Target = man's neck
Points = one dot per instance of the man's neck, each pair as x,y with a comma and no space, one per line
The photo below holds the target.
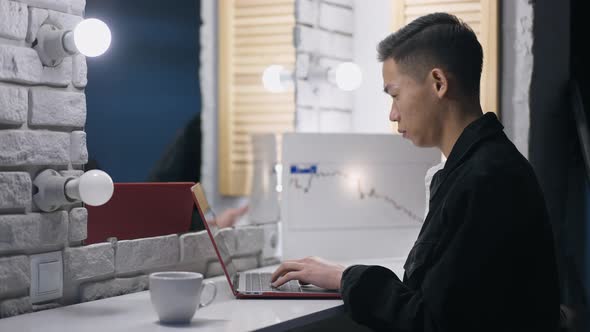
458,118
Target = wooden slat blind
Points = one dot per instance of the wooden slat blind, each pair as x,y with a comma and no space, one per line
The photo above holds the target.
481,16
254,34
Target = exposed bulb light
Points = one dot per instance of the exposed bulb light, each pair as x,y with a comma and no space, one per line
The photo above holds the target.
94,188
92,37
347,76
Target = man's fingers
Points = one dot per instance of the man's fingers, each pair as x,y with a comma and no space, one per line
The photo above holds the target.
243,210
285,268
293,275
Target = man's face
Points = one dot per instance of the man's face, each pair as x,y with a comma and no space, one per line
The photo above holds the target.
414,105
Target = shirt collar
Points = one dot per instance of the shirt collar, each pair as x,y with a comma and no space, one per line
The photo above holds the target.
487,125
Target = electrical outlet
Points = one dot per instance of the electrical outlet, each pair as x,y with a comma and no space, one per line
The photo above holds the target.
46,277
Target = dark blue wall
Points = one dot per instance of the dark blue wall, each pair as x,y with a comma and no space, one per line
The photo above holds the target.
145,89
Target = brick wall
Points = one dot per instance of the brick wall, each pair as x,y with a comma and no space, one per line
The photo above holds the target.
323,37
42,116
42,119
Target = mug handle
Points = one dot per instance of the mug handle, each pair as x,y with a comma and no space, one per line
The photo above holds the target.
210,283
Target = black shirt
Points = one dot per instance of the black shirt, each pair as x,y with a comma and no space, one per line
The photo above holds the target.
484,259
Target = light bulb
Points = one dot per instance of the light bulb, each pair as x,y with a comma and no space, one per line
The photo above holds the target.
92,37
348,76
273,78
94,188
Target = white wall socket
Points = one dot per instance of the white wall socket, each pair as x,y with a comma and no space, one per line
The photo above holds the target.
46,276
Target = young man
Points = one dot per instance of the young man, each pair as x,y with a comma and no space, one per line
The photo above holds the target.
484,259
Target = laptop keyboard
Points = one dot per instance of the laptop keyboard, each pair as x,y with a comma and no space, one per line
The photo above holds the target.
261,282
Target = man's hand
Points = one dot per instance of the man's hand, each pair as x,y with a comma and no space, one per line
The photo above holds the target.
309,270
229,217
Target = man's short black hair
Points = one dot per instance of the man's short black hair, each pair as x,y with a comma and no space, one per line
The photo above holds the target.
437,40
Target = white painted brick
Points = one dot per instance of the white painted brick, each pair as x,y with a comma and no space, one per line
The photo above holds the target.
58,76
335,18
19,64
57,108
15,190
306,39
302,65
34,148
246,263
345,3
197,249
213,269
323,43
88,262
77,7
306,93
59,5
328,63
99,290
15,274
13,20
308,121
332,97
78,229
78,149
227,236
80,71
336,45
32,232
241,264
335,122
63,20
250,240
15,307
14,104
323,95
142,254
36,17
306,11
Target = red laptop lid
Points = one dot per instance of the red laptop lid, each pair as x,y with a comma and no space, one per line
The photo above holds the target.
139,210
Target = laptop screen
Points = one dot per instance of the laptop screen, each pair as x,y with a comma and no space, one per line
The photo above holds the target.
217,235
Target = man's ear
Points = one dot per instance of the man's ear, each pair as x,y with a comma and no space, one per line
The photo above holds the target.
440,82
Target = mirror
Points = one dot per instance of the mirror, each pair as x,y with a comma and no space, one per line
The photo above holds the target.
143,96
144,103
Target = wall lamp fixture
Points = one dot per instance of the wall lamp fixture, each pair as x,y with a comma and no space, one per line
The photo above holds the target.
94,188
91,37
347,76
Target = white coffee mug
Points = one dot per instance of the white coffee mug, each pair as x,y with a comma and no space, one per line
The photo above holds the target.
176,295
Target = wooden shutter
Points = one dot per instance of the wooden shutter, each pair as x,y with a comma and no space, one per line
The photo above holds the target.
481,16
253,35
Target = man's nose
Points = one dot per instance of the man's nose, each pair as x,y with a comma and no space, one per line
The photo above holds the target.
394,114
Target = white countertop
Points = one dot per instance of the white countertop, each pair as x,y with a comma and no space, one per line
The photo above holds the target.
134,312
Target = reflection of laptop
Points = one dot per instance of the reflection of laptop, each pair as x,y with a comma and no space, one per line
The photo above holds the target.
140,210
250,284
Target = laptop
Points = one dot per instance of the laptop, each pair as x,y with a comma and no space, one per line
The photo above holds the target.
140,210
250,284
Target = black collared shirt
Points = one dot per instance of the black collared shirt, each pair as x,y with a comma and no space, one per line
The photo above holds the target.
484,259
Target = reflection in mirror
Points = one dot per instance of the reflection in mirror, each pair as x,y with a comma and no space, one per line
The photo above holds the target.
144,120
143,96
144,123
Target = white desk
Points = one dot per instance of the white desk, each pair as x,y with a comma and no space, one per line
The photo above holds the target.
134,312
